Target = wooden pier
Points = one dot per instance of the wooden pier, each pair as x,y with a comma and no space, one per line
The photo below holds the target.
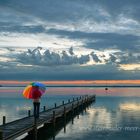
12,130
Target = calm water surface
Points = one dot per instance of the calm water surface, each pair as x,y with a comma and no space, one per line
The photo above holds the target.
115,115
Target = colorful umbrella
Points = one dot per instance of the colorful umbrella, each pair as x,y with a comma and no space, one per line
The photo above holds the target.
34,91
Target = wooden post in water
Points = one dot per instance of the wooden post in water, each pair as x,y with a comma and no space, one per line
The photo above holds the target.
44,108
72,114
1,135
35,124
54,120
85,104
4,120
82,106
35,128
77,109
64,119
29,113
94,98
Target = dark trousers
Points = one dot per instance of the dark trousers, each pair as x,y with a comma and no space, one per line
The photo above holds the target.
36,109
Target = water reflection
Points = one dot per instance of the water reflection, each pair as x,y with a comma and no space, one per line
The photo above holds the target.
130,107
118,120
106,119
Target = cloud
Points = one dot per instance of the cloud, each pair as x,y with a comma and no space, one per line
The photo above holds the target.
113,58
95,57
127,7
65,72
22,28
98,24
43,64
91,16
102,40
40,56
71,51
48,58
128,58
75,9
87,39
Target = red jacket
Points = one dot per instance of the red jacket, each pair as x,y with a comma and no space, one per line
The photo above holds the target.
36,93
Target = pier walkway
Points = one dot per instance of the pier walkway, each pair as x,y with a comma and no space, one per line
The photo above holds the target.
12,130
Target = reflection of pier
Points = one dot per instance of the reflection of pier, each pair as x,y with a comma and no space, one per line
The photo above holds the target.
48,118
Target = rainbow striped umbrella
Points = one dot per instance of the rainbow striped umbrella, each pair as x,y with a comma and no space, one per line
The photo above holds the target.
34,90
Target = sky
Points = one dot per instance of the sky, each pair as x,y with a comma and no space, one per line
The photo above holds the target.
69,40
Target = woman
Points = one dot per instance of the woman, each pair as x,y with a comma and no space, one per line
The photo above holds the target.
36,101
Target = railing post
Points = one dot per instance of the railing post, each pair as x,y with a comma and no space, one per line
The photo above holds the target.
1,135
44,108
4,120
55,105
63,102
29,113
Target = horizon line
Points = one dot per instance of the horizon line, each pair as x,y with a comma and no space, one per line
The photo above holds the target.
68,82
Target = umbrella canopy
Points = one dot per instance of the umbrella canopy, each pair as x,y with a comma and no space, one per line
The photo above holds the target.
34,91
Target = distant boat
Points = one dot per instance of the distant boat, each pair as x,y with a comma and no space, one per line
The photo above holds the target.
106,88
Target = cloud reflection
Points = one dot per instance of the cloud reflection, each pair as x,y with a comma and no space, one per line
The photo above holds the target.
130,107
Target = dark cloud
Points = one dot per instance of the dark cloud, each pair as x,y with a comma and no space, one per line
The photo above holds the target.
128,7
102,40
62,10
10,49
128,58
65,10
95,57
113,58
95,72
21,28
71,51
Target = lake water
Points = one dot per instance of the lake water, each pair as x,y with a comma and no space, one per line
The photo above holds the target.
115,114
